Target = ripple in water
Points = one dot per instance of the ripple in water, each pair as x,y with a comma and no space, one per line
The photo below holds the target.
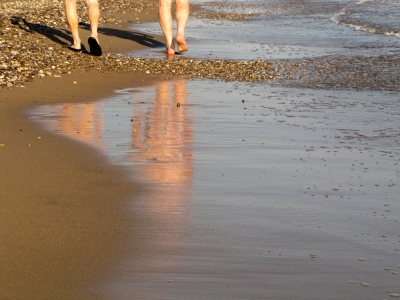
377,17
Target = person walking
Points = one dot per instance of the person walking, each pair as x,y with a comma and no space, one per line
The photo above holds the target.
165,19
72,19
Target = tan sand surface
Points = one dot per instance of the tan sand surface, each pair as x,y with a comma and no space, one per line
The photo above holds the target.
61,205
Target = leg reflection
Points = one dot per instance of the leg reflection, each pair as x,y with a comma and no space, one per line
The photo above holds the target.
164,135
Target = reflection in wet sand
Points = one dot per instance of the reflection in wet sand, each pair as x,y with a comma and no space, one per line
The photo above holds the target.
164,134
80,121
153,131
161,131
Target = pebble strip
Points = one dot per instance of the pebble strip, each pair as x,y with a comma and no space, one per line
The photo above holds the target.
24,56
373,73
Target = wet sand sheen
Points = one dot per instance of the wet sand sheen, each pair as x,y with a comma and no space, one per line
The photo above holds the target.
242,199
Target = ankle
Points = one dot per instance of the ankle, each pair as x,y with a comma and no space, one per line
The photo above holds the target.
77,43
94,35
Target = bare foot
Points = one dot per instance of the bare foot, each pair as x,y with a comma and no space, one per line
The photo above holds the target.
182,47
170,56
171,48
169,51
73,47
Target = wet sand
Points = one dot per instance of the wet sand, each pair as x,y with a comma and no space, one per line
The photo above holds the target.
279,196
63,216
64,222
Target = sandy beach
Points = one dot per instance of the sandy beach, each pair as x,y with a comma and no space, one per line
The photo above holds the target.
63,216
62,210
121,180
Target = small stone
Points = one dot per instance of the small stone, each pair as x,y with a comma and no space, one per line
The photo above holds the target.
365,284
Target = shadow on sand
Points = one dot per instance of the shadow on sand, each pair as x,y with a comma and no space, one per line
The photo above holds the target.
63,36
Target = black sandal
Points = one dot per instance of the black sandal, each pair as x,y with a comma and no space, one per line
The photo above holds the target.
73,49
95,48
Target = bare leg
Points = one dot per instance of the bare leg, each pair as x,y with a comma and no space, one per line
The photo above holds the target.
165,19
182,15
94,15
72,19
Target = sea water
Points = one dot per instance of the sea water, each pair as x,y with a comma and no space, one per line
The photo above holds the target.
254,190
373,16
289,29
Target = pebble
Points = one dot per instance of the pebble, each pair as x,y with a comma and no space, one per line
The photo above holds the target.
365,284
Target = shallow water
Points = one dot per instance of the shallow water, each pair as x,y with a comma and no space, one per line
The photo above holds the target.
377,17
291,29
240,194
